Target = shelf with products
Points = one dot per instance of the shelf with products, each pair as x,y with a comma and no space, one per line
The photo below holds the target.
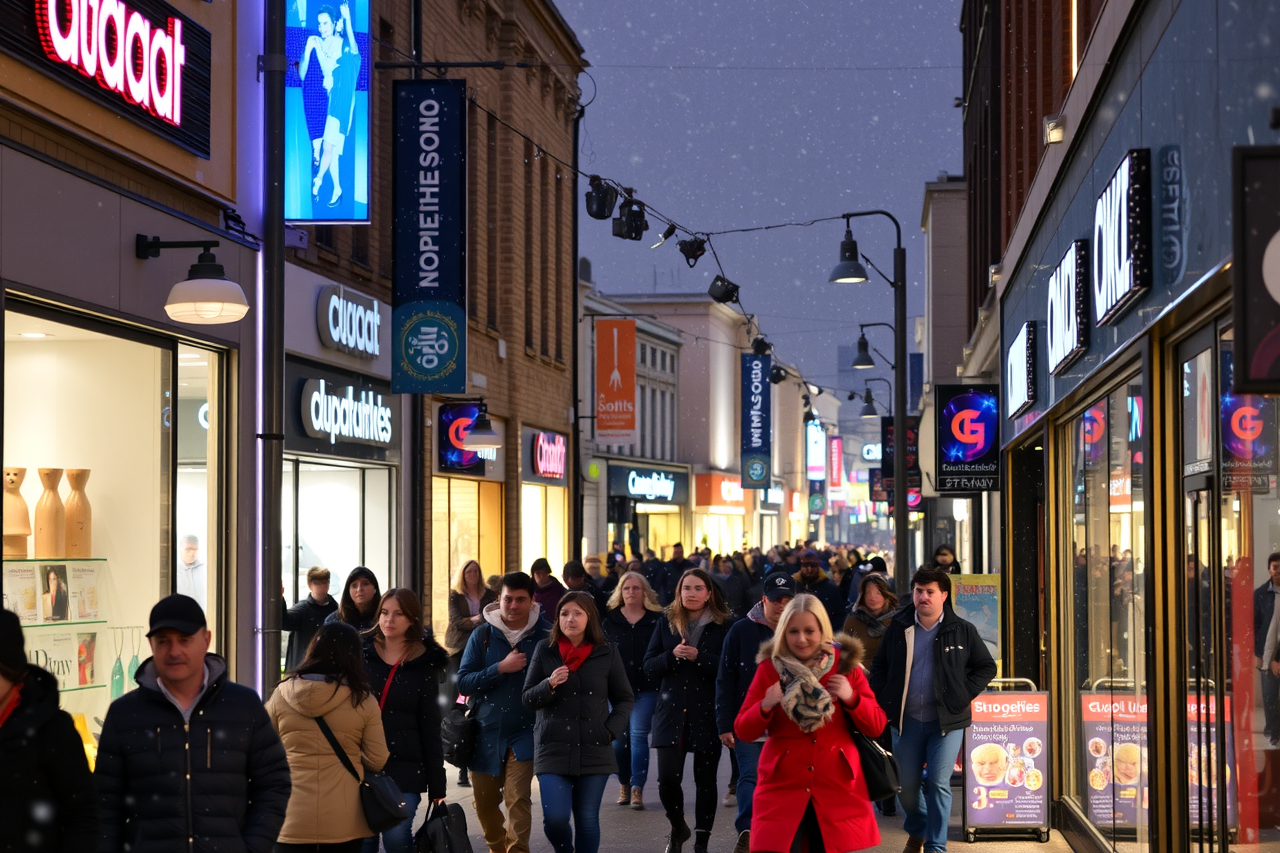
40,625
54,560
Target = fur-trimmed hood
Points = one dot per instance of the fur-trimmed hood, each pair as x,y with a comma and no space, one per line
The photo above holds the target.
850,652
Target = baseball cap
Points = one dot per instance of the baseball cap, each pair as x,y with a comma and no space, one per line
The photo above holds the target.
779,585
178,612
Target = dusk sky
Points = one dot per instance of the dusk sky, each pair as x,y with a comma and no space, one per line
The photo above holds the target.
746,113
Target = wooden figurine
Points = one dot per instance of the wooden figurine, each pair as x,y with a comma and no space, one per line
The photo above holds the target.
79,516
17,517
51,518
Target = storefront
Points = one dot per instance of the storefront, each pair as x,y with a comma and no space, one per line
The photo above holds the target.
769,517
544,497
719,512
1140,490
648,507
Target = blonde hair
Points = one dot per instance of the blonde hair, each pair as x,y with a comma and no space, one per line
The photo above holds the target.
802,603
460,578
650,598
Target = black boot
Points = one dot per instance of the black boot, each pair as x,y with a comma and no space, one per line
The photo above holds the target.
463,781
701,841
679,835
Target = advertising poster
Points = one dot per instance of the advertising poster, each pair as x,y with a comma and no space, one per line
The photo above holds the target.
815,450
756,430
835,462
429,238
913,451
86,646
20,592
55,604
84,593
326,111
616,381
1248,427
1114,742
968,426
1006,758
1202,762
977,599
453,424
55,650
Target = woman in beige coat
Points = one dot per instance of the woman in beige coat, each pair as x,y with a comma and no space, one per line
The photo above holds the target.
324,812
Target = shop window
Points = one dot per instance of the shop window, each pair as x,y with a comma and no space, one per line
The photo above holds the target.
360,244
544,520
325,237
466,524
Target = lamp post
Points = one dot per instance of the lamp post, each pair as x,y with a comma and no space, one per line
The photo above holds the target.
850,270
869,406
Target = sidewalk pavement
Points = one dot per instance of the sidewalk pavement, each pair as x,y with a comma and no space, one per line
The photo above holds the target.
625,831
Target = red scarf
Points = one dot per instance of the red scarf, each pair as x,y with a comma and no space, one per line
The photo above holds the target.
11,702
572,656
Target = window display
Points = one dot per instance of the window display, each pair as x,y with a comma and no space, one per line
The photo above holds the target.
466,524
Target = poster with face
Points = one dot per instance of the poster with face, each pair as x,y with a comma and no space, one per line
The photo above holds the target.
1006,761
1114,745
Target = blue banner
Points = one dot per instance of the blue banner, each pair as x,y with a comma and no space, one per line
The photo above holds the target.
429,237
757,441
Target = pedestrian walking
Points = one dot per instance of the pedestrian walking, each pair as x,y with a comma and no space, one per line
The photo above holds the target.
867,624
405,664
737,670
48,801
655,572
930,666
673,571
549,589
684,653
467,600
1266,648
329,684
492,676
633,613
735,585
578,685
358,606
303,619
944,557
812,579
576,579
806,694
189,760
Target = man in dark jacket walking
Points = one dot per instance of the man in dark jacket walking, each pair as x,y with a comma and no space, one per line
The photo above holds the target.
674,570
1266,647
737,669
931,665
812,579
189,761
655,572
492,674
303,619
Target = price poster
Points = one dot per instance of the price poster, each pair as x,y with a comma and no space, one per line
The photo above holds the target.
1006,761
20,592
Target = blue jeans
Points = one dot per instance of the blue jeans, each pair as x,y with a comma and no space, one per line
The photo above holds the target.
633,760
576,796
748,759
399,838
926,803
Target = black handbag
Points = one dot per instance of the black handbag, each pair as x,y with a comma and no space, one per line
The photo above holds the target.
380,797
460,727
445,831
879,767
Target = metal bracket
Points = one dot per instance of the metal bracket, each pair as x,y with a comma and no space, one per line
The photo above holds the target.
271,62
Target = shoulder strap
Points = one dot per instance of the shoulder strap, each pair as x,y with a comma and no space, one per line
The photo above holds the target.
488,635
333,742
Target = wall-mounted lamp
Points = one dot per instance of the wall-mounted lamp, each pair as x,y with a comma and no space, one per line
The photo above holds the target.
482,435
206,297
1055,129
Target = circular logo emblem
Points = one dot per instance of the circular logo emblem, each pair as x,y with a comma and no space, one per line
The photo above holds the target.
428,343
756,471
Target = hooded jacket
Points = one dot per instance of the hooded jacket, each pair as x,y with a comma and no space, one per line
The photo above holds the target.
738,665
325,804
366,619
411,716
505,722
219,783
822,766
826,591
302,621
962,668
42,760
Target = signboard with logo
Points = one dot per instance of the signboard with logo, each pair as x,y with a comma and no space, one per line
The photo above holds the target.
1255,270
649,485
1248,426
326,111
719,493
339,414
1067,320
544,457
349,321
835,462
872,452
913,451
453,425
1122,239
143,59
1006,761
815,438
616,381
817,498
429,236
968,428
1020,371
757,407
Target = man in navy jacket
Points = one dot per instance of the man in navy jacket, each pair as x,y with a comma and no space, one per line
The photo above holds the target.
1267,657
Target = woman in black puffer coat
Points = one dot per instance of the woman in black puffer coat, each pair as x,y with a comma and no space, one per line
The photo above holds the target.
405,665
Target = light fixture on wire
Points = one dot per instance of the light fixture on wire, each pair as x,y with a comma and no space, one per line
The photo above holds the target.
777,374
600,198
692,249
630,223
482,435
206,297
722,290
849,270
666,235
863,359
760,346
868,406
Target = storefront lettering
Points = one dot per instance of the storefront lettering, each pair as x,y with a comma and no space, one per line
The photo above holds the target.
124,52
549,455
336,412
1121,220
1173,214
871,452
731,491
773,496
1067,331
349,322
652,485
1020,371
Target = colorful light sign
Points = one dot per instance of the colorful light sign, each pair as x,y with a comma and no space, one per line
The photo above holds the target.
968,429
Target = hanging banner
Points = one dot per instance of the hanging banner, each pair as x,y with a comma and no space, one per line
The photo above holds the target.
1006,761
429,237
326,112
913,452
1255,271
815,456
835,462
616,381
968,427
757,441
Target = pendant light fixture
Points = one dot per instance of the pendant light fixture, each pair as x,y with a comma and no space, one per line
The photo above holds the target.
206,297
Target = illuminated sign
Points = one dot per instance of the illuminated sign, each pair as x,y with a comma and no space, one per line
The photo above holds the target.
968,426
349,321
1020,371
549,455
453,424
872,452
1066,323
1122,238
1248,425
816,450
338,413
719,493
835,462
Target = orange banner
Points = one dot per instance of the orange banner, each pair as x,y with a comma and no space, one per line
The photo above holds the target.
616,381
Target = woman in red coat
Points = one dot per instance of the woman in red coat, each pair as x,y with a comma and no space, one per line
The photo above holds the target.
806,693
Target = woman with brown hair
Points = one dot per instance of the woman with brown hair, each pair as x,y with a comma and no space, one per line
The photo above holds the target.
468,597
872,614
684,653
404,663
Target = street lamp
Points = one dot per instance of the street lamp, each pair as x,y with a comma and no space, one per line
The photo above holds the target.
849,270
869,404
863,359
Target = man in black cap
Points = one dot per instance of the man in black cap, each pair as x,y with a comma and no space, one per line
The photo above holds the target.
737,669
812,579
189,760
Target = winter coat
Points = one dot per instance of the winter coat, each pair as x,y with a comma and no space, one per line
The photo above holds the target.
738,665
505,722
1263,607
411,716
685,715
821,766
219,783
302,621
578,721
460,624
826,591
862,625
655,572
363,625
962,668
548,597
632,641
736,590
42,762
325,804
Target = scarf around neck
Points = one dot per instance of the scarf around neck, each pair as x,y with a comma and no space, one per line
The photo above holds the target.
804,700
573,656
876,625
697,625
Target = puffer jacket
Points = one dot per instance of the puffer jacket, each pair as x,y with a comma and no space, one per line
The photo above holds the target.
217,784
411,717
42,762
578,721
687,689
325,805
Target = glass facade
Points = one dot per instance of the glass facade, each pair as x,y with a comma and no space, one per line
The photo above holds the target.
466,524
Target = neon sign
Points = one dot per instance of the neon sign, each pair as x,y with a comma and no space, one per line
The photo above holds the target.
549,455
